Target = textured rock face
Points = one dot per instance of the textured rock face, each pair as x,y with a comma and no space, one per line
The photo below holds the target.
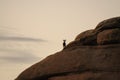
90,76
87,38
93,55
109,36
108,24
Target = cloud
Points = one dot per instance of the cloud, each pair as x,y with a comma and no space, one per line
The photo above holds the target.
18,57
14,53
15,38
11,34
14,59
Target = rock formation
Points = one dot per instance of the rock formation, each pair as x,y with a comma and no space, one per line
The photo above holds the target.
93,55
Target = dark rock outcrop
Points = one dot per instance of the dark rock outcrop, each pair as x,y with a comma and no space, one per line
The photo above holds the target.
87,38
110,36
93,55
108,24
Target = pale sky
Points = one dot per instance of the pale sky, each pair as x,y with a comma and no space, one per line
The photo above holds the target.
33,29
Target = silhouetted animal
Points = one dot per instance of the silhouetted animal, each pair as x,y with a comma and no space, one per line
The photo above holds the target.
64,43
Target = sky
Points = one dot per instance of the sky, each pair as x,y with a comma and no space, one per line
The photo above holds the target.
30,30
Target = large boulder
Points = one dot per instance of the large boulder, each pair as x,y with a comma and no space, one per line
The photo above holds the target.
89,76
110,36
108,24
83,59
87,37
93,55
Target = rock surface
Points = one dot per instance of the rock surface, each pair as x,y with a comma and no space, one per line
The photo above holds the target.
93,55
109,36
87,38
108,24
